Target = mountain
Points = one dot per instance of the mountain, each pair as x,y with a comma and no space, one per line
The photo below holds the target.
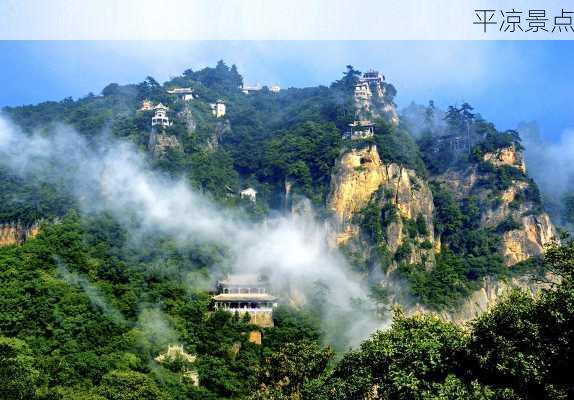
119,211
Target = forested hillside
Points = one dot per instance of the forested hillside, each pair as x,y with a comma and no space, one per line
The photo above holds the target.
414,224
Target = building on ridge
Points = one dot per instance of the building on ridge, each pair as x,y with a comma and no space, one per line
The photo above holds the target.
246,294
360,129
185,94
249,193
218,109
160,118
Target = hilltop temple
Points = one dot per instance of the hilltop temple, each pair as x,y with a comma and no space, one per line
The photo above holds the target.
360,129
185,94
218,109
160,118
246,294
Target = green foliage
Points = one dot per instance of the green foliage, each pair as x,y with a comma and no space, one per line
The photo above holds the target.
526,343
293,365
448,216
403,251
412,360
469,253
421,224
19,376
498,140
129,385
441,287
304,155
498,178
509,224
87,332
372,222
85,308
395,144
521,349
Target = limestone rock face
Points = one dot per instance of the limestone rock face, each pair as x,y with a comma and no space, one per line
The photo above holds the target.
220,129
520,244
492,290
507,156
491,293
264,319
360,176
535,227
370,102
159,143
187,117
15,233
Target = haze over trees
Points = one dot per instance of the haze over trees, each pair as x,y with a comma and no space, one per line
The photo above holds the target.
85,308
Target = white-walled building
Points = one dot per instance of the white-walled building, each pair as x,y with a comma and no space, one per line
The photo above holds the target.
160,118
251,88
373,76
362,91
185,94
218,109
246,294
249,193
275,88
361,129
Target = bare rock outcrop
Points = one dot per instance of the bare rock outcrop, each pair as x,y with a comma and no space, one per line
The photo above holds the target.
16,233
361,177
533,228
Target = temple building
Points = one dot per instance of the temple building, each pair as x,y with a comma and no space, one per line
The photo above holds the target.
185,94
160,118
361,129
146,106
362,91
176,353
372,76
275,88
251,88
218,108
249,193
246,294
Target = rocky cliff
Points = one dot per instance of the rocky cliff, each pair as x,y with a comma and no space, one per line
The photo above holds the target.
372,100
510,156
159,143
359,178
491,291
531,228
15,233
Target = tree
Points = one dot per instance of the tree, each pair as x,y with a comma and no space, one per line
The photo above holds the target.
18,374
526,343
347,82
416,358
129,385
288,369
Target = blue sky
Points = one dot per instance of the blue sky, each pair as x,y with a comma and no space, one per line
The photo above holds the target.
507,82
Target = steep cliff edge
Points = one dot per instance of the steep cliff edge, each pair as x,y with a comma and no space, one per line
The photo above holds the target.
509,200
491,291
14,233
373,98
366,191
400,199
159,143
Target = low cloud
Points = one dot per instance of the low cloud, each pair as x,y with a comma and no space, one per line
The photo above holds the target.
112,176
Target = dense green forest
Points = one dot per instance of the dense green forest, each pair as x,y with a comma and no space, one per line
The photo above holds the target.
85,309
